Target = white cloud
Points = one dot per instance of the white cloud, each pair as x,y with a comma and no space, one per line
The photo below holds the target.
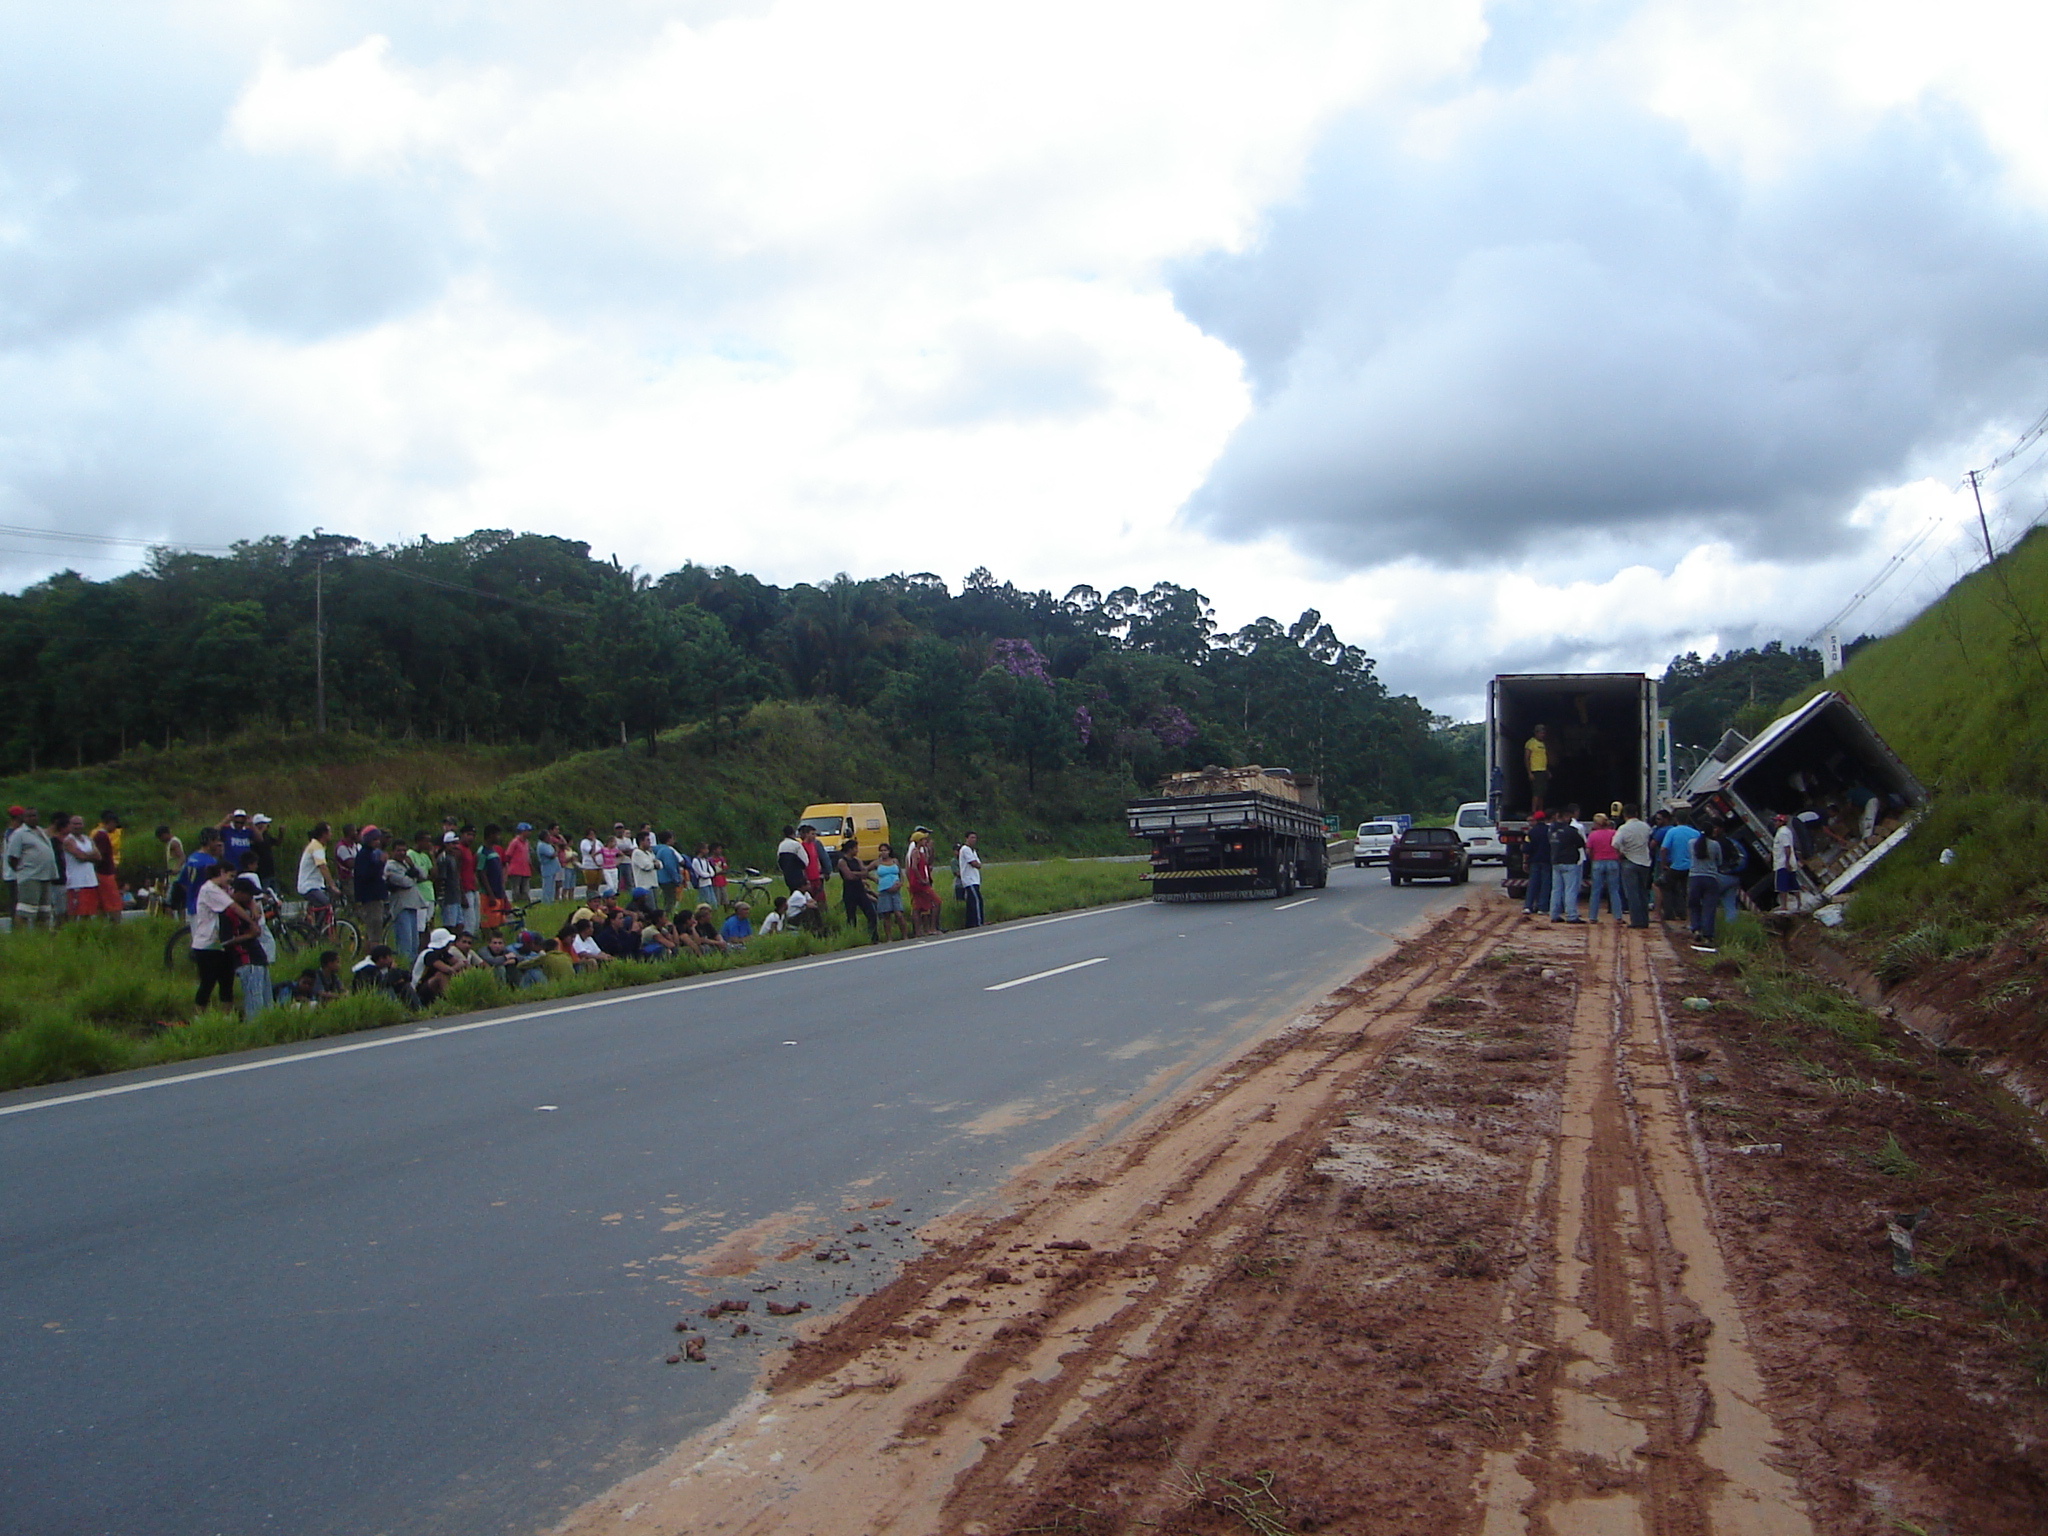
802,287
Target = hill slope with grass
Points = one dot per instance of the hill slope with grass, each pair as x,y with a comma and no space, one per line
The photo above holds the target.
737,786
1961,694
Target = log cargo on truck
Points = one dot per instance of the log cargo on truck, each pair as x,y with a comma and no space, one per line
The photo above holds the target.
1601,735
1230,834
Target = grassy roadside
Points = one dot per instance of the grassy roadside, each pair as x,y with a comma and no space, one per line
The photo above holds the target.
92,998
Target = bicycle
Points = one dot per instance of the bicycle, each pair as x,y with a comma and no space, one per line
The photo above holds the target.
320,928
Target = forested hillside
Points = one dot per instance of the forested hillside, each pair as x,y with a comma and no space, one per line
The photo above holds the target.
522,639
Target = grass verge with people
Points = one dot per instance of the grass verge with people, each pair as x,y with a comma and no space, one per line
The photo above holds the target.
94,996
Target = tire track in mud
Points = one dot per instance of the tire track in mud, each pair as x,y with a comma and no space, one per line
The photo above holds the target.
1652,1416
1442,1260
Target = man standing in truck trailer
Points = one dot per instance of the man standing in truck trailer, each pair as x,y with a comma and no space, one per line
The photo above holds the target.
1536,754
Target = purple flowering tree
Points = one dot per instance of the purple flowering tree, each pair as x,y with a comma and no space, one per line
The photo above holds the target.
1021,660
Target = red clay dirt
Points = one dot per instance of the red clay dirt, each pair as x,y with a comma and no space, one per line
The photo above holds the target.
1504,1237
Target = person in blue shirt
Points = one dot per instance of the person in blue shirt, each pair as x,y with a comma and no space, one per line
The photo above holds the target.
736,930
237,837
198,868
1674,849
671,863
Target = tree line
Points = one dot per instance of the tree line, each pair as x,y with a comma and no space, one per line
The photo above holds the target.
511,637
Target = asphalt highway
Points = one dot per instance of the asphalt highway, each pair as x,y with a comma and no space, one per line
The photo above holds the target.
424,1280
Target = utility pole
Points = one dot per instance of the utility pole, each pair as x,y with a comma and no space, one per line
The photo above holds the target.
1983,526
319,643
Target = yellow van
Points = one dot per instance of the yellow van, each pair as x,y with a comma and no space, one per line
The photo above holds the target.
865,819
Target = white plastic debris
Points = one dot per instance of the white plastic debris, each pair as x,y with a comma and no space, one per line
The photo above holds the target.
1831,915
1948,855
1762,1148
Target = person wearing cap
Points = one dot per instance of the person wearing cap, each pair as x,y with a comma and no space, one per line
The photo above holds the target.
917,877
436,963
32,866
267,844
519,866
1785,863
237,837
1536,902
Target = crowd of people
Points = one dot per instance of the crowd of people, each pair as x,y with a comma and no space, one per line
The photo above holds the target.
1699,868
430,906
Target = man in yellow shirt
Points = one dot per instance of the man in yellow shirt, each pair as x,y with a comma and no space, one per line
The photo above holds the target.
1536,753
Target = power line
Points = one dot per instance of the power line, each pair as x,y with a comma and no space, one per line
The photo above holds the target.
19,530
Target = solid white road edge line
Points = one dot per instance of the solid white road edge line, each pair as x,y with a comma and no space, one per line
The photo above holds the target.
1290,906
608,1000
1058,970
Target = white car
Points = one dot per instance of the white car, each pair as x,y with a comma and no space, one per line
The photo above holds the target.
1375,838
1482,837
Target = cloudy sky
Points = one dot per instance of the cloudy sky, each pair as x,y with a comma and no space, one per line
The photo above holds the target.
1510,336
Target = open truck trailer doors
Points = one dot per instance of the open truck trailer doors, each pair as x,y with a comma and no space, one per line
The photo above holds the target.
1603,739
1825,762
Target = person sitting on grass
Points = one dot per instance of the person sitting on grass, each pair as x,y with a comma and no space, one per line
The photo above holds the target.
736,930
298,993
555,964
436,963
328,983
583,950
804,911
379,971
658,941
620,937
778,920
705,921
526,969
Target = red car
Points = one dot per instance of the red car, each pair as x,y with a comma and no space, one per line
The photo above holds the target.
1428,853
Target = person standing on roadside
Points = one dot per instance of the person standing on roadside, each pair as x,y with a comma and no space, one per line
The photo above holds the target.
1704,857
917,877
519,866
1536,859
237,837
1632,846
790,862
1567,848
448,881
704,876
494,907
1605,865
16,815
241,941
1785,864
967,866
814,865
889,893
81,868
216,967
32,866
344,855
853,886
547,861
668,872
267,845
106,852
370,887
404,899
1676,847
466,878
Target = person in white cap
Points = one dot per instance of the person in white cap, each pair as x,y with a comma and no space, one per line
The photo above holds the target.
267,845
237,838
435,965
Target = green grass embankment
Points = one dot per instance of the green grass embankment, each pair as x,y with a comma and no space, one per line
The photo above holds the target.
90,998
1961,694
739,789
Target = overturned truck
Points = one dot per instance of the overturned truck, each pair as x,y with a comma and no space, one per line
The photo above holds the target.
1847,796
1226,834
